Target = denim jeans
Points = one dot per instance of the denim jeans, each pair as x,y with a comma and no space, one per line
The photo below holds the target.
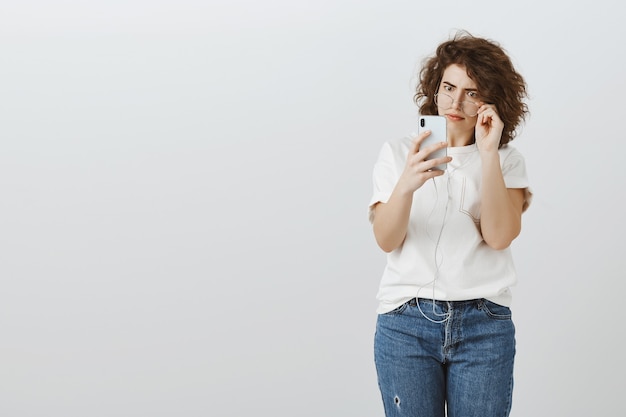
459,361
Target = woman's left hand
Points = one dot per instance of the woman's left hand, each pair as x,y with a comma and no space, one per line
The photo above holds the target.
488,129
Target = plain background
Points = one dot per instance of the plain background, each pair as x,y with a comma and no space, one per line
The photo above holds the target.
184,189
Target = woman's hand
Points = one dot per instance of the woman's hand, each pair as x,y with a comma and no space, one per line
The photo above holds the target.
488,129
418,169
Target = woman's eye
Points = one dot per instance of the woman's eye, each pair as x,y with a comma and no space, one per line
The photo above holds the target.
447,88
472,94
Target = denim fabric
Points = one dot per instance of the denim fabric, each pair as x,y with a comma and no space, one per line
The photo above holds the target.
461,360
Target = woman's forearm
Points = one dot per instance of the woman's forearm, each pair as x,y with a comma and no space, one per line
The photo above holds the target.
501,208
391,219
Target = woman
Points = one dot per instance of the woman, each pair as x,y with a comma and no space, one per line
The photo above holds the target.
444,339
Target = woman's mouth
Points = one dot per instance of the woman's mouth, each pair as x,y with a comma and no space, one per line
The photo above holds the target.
454,117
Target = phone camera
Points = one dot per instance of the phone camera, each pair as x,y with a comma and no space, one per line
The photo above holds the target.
422,122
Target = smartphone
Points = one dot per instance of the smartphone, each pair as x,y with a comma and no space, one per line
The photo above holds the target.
438,133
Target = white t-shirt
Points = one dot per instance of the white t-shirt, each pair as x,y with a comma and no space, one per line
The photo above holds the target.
444,256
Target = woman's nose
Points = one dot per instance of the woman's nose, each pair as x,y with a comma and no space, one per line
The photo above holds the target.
456,103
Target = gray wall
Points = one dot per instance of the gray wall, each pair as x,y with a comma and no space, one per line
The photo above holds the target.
184,189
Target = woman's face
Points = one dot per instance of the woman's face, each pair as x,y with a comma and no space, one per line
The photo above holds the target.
458,101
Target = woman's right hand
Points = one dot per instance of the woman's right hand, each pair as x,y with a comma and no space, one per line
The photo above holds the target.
418,169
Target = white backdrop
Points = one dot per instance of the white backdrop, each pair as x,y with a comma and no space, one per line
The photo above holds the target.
184,189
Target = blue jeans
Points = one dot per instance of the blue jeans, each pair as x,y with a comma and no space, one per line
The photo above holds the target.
461,360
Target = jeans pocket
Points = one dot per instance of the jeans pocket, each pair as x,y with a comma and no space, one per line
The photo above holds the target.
495,311
398,310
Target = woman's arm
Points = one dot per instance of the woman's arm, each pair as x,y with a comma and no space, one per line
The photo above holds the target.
391,219
501,207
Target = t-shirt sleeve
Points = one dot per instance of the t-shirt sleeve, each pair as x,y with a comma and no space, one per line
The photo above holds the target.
515,175
384,178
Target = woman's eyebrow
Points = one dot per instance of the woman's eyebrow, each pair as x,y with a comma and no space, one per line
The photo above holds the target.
454,86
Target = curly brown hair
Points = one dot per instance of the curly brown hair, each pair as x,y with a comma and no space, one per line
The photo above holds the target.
489,66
